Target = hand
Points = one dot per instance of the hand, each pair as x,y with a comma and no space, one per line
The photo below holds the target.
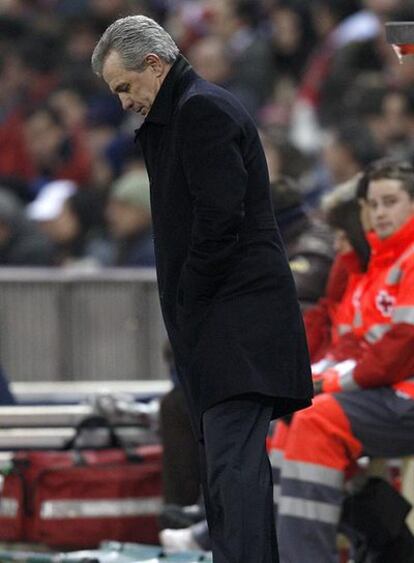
336,378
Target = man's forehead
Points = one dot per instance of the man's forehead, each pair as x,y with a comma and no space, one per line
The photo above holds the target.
112,63
113,71
386,184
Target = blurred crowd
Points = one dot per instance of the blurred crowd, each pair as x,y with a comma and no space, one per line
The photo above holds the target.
324,87
331,101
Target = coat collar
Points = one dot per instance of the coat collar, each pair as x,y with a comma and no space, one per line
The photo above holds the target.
179,75
389,249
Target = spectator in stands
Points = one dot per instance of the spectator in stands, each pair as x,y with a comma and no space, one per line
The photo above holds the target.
328,17
365,103
362,51
291,38
349,147
366,403
81,231
129,220
48,204
210,58
13,78
21,242
73,221
397,114
80,33
282,157
109,145
54,152
388,112
237,22
106,12
71,107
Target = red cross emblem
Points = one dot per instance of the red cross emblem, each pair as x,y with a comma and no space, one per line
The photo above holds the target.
385,302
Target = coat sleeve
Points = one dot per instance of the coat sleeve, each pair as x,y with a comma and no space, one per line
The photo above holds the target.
210,141
390,359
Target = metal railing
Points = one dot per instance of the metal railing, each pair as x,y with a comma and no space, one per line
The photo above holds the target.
73,325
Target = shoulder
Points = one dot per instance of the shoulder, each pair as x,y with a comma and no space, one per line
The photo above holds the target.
406,262
408,256
205,100
32,248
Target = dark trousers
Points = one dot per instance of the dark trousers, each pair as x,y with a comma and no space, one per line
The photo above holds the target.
237,481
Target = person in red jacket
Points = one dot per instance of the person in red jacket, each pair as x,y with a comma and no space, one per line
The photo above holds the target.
366,397
342,212
53,151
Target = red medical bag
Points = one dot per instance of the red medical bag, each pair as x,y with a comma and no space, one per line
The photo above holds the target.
77,498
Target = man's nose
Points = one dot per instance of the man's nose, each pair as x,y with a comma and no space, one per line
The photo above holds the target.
126,102
380,210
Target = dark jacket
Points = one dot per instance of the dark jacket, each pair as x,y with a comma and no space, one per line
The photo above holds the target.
226,290
136,251
25,244
309,248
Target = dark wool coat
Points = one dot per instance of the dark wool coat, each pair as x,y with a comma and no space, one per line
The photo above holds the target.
226,290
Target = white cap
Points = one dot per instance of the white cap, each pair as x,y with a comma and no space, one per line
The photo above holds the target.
50,200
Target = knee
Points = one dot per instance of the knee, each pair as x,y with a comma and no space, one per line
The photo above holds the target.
322,434
314,418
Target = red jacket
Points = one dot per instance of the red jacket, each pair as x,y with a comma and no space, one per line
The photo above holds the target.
377,319
320,320
13,155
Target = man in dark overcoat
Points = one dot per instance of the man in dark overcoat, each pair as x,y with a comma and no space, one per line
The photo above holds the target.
226,291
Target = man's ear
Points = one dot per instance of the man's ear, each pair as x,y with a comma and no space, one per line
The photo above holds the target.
155,63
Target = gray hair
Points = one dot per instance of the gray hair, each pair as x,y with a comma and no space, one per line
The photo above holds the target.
133,38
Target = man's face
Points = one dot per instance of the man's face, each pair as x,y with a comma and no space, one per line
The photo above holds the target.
125,220
389,205
64,228
43,138
136,90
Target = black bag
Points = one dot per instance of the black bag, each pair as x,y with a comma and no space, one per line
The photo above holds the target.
375,517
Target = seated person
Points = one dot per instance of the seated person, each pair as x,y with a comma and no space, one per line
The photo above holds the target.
308,241
128,217
21,242
366,400
342,212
